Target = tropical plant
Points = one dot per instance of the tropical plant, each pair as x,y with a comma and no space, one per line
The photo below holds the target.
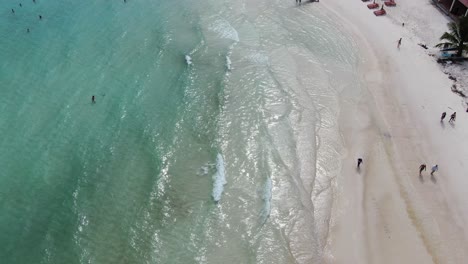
456,37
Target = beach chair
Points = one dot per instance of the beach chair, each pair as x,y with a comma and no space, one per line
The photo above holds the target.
373,5
390,3
380,12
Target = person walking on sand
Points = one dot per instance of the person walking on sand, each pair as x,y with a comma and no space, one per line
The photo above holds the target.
452,117
443,116
434,169
359,161
421,168
399,43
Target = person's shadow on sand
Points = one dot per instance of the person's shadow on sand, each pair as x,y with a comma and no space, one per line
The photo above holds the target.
442,124
421,179
433,179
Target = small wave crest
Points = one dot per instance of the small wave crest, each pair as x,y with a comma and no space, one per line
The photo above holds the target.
228,63
219,179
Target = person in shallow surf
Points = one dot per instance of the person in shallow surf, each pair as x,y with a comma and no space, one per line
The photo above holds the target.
93,99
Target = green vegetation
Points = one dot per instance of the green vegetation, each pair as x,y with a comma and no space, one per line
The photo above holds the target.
456,37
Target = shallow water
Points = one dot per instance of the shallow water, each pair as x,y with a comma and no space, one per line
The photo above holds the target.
134,177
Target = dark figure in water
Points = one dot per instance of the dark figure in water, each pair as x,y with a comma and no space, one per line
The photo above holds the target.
93,99
359,161
125,1
40,17
20,5
443,116
452,117
421,168
34,1
12,11
27,30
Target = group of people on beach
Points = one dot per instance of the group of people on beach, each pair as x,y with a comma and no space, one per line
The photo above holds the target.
452,117
433,169
21,5
422,167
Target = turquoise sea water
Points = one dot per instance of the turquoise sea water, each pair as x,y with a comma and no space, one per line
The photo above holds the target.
134,178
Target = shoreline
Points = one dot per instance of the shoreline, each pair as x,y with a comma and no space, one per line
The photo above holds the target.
392,210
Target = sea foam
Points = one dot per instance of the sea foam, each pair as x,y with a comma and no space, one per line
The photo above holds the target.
228,63
188,59
219,178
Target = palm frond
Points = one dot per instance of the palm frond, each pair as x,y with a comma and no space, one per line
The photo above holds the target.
445,45
449,37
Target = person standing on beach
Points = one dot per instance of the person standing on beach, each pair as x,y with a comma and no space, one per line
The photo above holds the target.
434,169
443,116
399,43
452,117
421,168
359,161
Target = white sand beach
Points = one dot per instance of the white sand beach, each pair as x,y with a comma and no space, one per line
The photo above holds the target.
386,213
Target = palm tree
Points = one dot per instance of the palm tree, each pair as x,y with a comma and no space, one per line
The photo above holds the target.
457,36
